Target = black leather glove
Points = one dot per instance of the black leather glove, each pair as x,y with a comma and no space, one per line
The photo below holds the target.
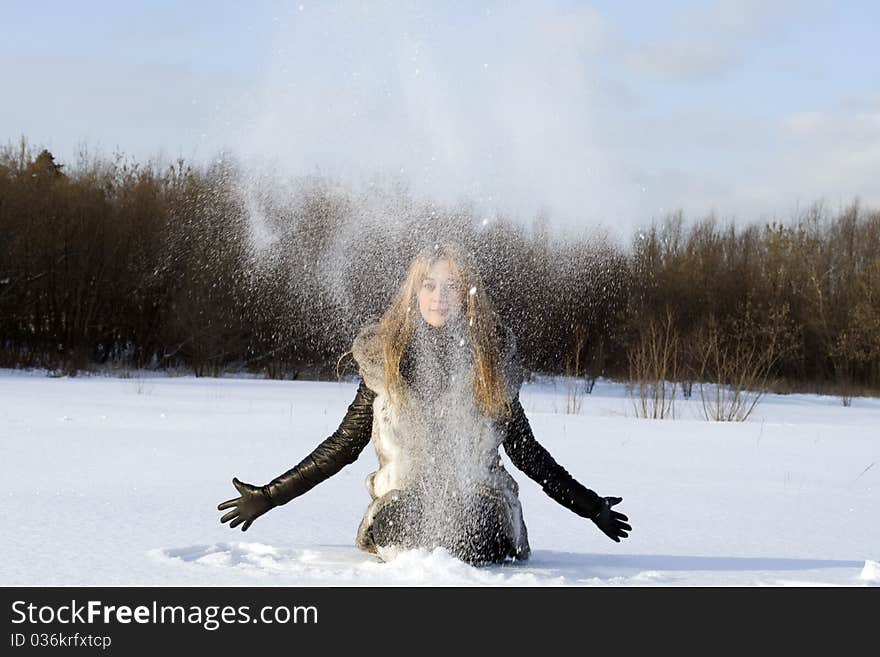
253,503
612,523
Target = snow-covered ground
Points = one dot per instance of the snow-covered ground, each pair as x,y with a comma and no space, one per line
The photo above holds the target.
115,481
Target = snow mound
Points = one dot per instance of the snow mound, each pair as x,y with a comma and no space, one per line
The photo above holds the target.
344,566
871,572
438,567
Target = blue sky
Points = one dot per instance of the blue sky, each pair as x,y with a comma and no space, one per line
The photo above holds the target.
592,112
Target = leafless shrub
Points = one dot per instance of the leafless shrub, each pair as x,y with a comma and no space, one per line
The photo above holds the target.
653,365
735,366
575,384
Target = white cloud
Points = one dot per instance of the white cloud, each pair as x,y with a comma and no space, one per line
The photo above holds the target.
757,168
680,61
582,29
835,154
705,41
740,18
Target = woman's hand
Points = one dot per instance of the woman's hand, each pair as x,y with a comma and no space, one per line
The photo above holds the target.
612,523
253,503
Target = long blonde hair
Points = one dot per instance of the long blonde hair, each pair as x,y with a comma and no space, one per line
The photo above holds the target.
397,325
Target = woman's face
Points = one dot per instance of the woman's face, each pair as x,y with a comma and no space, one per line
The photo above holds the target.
440,295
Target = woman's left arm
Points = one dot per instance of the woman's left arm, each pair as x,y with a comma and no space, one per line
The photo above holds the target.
536,462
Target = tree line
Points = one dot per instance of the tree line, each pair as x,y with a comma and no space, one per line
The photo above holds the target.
121,265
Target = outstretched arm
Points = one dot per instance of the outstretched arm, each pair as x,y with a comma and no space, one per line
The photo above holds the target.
536,462
328,458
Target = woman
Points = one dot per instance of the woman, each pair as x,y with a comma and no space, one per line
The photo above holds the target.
439,392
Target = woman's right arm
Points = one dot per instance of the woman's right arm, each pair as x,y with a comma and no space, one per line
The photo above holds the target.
328,458
341,448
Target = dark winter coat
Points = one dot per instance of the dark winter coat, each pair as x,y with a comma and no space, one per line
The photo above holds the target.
399,437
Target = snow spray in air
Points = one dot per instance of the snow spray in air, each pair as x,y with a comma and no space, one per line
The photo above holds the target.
368,106
452,446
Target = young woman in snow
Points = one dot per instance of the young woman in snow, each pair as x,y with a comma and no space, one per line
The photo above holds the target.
439,392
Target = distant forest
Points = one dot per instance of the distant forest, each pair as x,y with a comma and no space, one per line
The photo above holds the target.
108,264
